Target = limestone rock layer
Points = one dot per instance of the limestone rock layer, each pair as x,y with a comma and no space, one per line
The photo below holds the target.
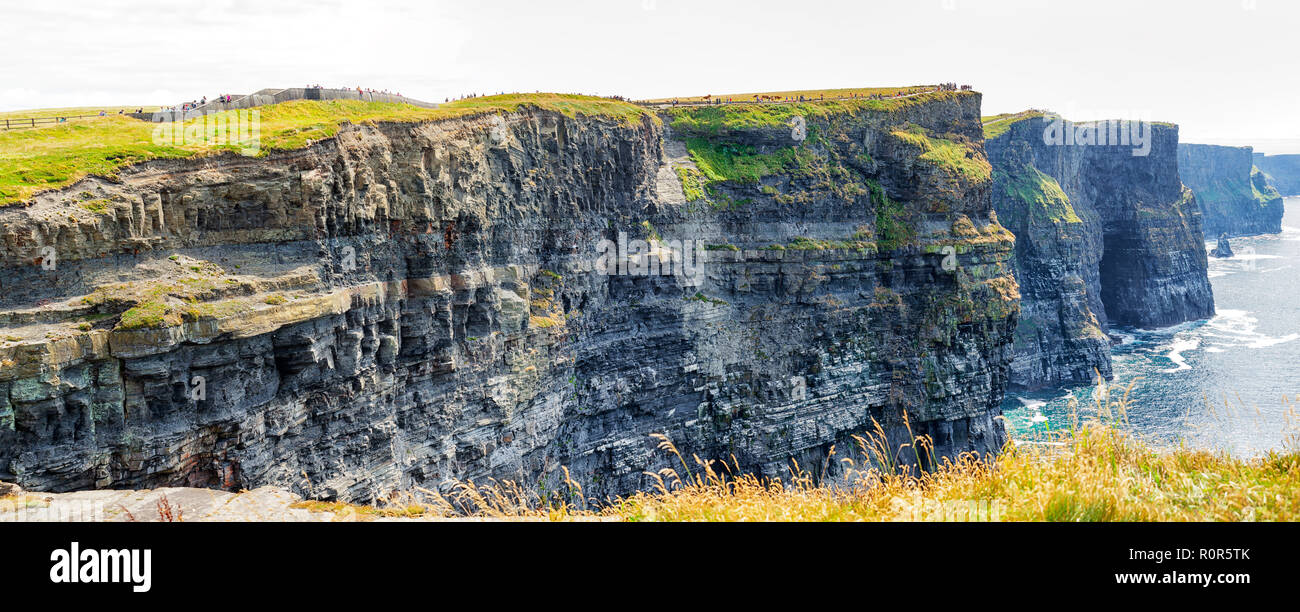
1104,238
415,304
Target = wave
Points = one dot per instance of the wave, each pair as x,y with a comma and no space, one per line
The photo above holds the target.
1234,328
1231,321
1176,353
1125,338
1266,341
1031,403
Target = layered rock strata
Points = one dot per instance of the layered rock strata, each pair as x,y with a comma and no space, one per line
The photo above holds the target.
412,305
1233,195
1105,237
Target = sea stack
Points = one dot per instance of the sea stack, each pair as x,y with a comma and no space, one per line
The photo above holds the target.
1223,250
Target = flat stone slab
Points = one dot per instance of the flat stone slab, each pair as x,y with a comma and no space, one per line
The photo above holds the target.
172,503
187,504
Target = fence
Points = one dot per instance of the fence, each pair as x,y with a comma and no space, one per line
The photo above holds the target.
23,122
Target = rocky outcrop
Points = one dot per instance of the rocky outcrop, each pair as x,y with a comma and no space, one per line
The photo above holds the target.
1103,237
1281,171
1223,249
413,304
9,488
1233,195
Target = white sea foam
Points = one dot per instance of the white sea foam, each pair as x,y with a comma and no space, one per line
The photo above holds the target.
1266,341
1252,256
1031,403
1176,353
1232,322
1238,328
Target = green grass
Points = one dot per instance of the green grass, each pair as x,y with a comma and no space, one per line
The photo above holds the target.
52,157
1041,196
717,119
75,110
893,230
803,243
148,314
741,164
35,160
45,113
957,158
1268,193
692,183
997,125
721,162
806,93
712,120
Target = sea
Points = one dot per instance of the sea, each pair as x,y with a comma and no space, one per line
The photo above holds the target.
1229,383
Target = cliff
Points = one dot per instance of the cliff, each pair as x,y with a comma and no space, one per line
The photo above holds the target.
1103,237
1232,194
409,304
1283,172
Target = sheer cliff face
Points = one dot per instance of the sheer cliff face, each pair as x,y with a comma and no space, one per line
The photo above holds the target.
1104,238
1233,196
409,304
1281,171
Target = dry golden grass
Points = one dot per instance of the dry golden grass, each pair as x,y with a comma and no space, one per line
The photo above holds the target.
1093,471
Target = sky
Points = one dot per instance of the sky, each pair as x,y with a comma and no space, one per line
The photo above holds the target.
1226,71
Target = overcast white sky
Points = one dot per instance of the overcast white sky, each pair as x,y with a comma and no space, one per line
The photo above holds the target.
1227,71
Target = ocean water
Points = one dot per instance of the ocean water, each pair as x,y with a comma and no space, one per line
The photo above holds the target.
1228,383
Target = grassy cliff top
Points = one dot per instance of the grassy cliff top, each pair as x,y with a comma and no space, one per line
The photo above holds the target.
806,93
73,111
56,155
997,125
715,118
